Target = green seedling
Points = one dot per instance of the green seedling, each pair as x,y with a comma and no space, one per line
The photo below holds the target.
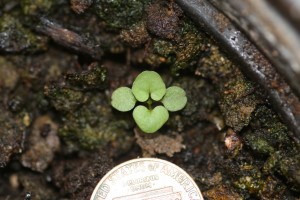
122,99
174,99
149,89
148,83
150,120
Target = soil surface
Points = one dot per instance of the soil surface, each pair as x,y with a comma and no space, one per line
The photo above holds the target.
61,60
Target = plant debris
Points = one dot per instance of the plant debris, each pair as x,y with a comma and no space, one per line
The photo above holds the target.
159,144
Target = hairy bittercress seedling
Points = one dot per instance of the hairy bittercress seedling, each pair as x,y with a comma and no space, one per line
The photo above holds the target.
147,88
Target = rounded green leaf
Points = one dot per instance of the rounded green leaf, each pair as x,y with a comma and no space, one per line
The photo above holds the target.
122,99
150,121
175,99
148,83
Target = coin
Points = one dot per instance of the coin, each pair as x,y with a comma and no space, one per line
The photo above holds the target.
146,179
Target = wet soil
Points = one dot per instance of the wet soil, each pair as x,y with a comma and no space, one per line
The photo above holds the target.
59,64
